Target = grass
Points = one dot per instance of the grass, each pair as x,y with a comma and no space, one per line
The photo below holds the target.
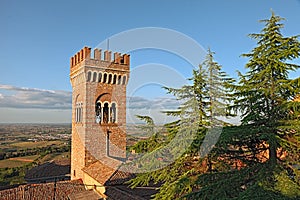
56,156
11,163
26,158
30,144
17,162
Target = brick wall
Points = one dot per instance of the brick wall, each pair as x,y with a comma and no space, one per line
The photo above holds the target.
95,79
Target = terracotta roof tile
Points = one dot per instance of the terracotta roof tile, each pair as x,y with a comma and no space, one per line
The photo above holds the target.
43,191
107,172
119,177
99,171
85,195
114,193
50,169
123,192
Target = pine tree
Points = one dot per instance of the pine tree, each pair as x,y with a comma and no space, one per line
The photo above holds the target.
155,138
270,125
265,91
197,115
265,94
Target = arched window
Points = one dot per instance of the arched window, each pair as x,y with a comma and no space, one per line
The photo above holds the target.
99,77
78,112
89,74
104,78
78,109
113,113
98,112
115,79
119,79
124,80
105,113
94,76
109,78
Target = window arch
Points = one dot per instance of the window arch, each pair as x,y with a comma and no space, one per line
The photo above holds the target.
104,78
109,78
113,113
94,76
78,109
78,112
124,80
115,79
89,74
99,77
105,113
98,110
119,79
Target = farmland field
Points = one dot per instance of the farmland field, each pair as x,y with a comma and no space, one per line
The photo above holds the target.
31,144
17,162
7,163
24,146
26,158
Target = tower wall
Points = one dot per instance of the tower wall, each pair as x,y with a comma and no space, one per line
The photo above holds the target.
97,78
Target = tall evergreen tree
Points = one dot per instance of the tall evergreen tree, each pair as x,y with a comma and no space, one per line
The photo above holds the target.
267,143
198,113
265,93
151,143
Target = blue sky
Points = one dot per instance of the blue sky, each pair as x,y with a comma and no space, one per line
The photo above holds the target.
39,37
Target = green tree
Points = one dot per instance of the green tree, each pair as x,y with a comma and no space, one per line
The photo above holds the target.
270,125
197,114
152,142
265,91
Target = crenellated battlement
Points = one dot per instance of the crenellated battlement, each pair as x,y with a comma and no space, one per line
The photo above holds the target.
85,55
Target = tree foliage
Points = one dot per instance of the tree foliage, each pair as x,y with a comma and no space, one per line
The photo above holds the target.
201,107
258,159
264,149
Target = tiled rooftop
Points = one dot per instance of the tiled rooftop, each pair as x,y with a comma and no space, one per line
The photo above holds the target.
107,172
60,191
55,169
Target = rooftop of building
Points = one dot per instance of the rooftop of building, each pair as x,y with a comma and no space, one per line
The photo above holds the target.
59,169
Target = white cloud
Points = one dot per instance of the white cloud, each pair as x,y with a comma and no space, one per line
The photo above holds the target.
150,107
20,101
157,103
22,97
14,88
55,106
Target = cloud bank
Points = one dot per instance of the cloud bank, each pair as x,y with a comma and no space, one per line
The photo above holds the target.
20,104
56,105
162,103
21,97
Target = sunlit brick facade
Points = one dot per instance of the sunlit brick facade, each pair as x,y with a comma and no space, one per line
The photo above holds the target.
98,109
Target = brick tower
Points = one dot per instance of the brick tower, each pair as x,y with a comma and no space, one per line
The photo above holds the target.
98,113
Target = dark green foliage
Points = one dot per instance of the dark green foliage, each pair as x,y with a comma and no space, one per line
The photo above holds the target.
270,126
264,94
203,101
258,159
154,141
